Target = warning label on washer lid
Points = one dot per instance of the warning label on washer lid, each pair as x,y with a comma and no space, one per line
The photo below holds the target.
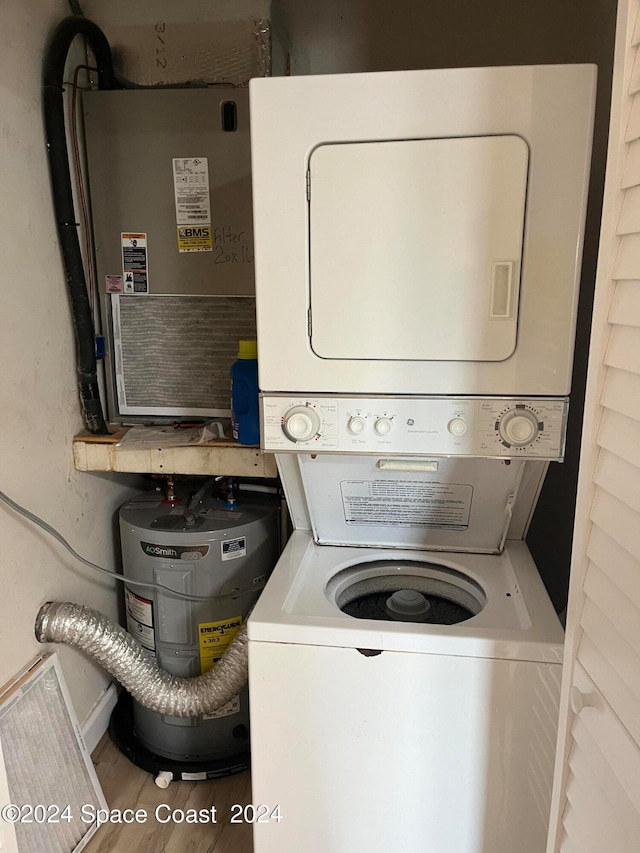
191,190
231,549
134,262
406,503
140,619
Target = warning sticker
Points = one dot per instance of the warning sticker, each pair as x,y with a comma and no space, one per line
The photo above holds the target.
406,503
194,238
114,283
231,549
214,639
134,263
191,190
140,619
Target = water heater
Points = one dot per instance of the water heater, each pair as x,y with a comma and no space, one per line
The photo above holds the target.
222,551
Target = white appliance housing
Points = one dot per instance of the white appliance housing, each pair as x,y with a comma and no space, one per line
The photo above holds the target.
420,232
382,735
418,241
375,734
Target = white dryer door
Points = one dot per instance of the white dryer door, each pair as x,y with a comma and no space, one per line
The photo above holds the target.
415,248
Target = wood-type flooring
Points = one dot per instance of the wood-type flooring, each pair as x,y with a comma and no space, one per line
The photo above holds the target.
127,787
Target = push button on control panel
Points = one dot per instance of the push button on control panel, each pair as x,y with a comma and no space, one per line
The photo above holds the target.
457,426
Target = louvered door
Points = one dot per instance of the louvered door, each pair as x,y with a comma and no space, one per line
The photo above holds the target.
596,804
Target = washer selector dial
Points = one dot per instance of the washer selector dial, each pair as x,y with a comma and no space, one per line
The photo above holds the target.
301,423
518,427
356,425
383,426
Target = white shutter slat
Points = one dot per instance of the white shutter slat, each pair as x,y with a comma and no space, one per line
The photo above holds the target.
586,838
620,479
617,520
629,221
601,792
615,743
621,436
631,174
604,676
616,563
623,350
627,262
634,81
625,306
621,612
598,835
567,845
612,641
635,35
603,782
621,393
589,760
633,127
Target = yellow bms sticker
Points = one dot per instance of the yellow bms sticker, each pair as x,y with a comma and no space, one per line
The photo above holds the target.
214,639
195,238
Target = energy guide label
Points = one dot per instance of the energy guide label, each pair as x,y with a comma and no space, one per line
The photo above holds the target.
405,503
140,619
214,640
191,190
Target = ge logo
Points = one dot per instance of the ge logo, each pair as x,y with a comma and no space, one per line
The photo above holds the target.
410,422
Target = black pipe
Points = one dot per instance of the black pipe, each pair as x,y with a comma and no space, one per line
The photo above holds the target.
54,64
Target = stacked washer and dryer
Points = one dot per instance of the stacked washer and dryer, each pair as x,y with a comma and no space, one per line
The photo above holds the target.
418,244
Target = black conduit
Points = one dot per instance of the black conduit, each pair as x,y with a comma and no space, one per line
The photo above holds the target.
54,64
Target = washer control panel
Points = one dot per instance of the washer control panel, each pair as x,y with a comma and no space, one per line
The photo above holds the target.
498,427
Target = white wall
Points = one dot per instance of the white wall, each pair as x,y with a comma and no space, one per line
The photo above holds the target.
38,398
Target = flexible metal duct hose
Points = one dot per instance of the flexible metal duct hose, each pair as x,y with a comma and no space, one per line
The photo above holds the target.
122,656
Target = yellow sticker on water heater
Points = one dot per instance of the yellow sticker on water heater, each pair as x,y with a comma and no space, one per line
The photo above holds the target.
214,638
195,238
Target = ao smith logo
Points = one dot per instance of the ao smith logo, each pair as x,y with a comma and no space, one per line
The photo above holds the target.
203,231
158,550
184,552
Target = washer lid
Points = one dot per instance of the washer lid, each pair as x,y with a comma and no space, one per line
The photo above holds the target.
442,504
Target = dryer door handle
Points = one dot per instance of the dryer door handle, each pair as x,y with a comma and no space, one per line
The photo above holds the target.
408,464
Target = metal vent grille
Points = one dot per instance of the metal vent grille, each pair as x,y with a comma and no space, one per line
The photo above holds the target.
43,761
173,354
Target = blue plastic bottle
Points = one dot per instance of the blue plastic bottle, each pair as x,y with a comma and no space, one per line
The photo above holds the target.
244,394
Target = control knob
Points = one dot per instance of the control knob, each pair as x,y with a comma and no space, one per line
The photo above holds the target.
383,426
301,423
518,427
356,424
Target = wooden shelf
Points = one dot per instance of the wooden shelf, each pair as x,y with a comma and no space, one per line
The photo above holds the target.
100,453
